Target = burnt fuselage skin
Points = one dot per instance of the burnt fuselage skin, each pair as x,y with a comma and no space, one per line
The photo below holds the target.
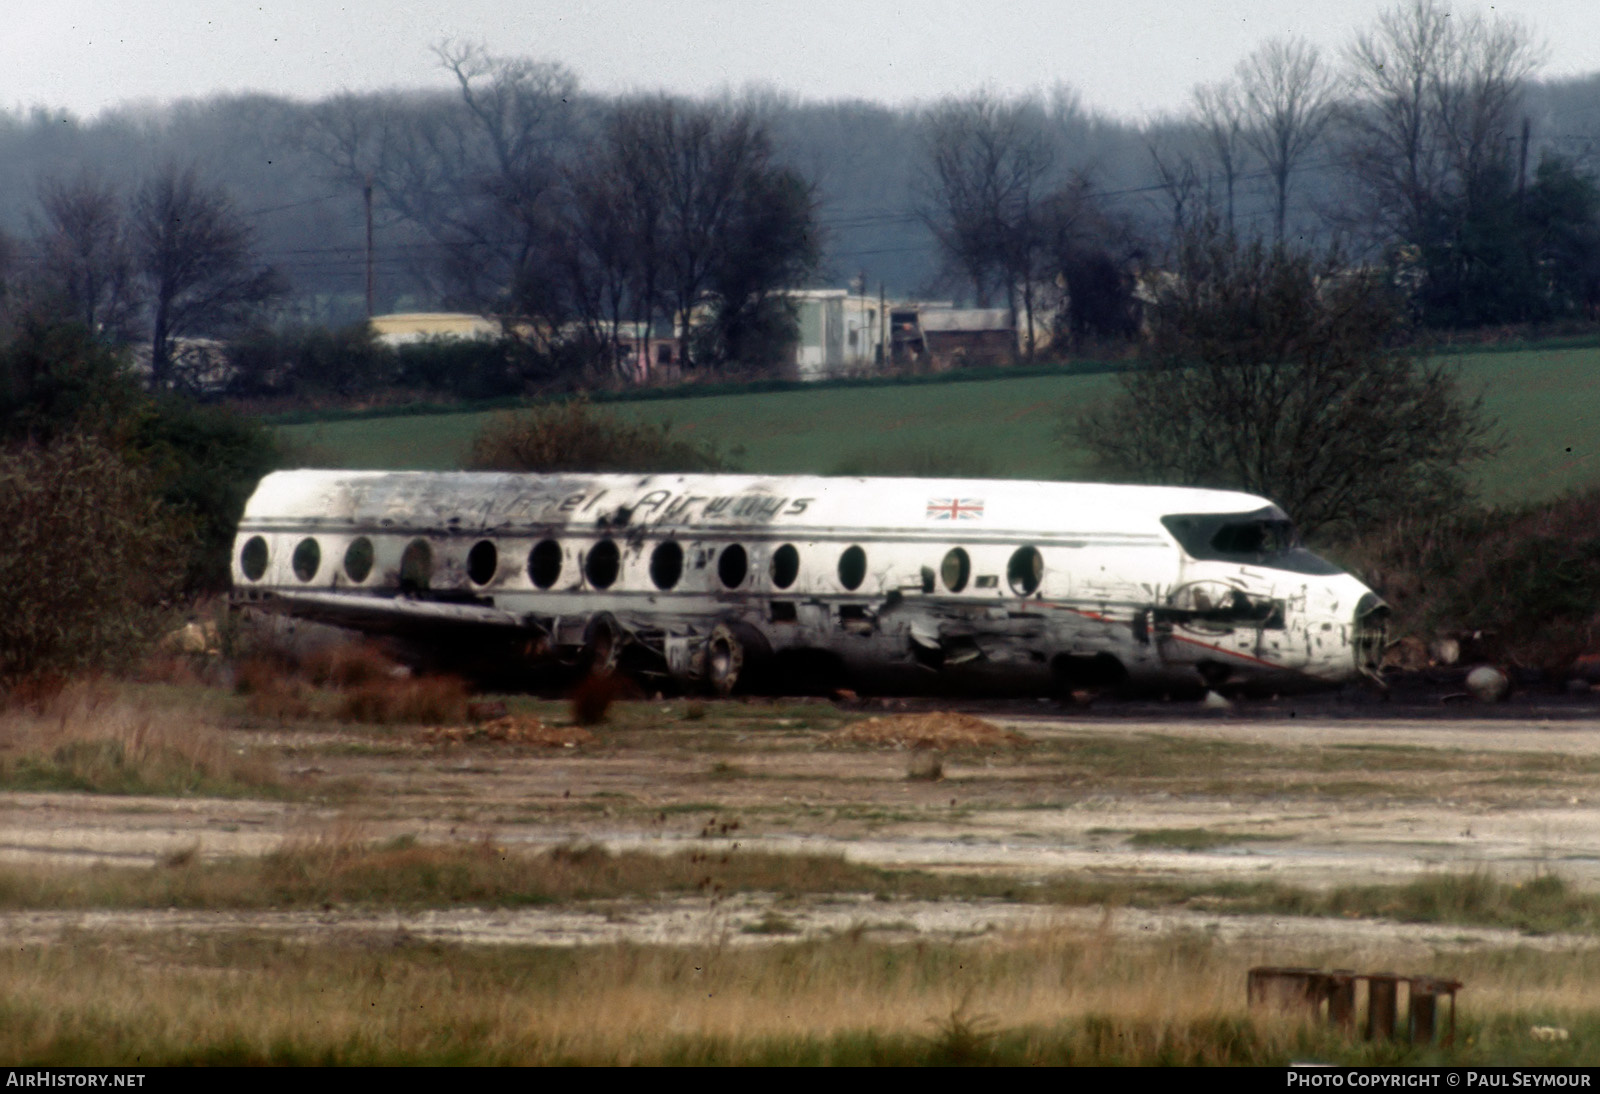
724,580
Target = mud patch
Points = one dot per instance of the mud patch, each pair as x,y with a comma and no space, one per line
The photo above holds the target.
738,921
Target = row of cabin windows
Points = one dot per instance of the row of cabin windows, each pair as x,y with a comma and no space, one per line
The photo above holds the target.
603,564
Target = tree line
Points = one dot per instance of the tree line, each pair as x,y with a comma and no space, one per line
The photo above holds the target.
1423,123
512,190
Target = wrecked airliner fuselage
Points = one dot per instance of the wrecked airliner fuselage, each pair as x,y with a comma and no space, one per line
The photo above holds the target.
736,580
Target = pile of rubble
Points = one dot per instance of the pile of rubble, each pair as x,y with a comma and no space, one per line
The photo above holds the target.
934,730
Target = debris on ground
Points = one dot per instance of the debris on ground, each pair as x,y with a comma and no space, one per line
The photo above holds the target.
1586,667
1488,684
510,730
196,638
1407,653
936,729
486,710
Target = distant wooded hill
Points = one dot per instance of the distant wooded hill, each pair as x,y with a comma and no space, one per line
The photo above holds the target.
866,161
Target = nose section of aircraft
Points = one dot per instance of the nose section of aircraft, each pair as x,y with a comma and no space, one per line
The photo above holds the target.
1369,633
1356,618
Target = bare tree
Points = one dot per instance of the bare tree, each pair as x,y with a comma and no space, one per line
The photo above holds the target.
1395,147
194,257
1434,95
87,254
478,174
990,169
1289,98
699,178
605,253
1177,172
1220,110
774,243
520,113
1480,89
1272,369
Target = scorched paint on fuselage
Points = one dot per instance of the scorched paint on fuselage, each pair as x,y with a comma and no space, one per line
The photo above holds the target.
911,582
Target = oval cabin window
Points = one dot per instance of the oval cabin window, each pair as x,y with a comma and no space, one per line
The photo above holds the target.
1025,571
852,568
358,560
307,559
603,564
785,566
253,558
955,570
666,565
732,566
482,562
416,566
544,563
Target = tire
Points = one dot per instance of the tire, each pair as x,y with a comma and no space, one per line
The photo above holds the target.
602,645
735,653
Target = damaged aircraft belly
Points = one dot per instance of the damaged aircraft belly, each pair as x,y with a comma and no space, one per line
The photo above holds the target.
734,581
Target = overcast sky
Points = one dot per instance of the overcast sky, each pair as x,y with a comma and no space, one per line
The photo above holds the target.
1127,58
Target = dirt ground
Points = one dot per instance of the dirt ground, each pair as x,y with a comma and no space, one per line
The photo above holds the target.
1308,797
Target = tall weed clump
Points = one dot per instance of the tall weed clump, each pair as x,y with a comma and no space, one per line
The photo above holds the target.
88,738
350,682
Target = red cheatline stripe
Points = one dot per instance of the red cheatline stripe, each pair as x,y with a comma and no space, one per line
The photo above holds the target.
1096,616
1229,653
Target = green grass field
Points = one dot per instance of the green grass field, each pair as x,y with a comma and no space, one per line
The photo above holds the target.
1546,401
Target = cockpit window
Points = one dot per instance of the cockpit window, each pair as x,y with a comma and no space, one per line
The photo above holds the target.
1263,538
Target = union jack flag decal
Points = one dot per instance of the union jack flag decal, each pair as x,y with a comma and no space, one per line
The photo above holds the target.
955,508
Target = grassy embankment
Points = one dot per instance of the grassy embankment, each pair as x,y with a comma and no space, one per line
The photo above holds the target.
1546,401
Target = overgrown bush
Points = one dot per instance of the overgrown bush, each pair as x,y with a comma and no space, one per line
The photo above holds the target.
346,363
1526,580
203,462
574,436
92,563
480,369
56,379
1283,373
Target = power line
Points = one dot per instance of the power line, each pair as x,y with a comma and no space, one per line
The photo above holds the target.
264,210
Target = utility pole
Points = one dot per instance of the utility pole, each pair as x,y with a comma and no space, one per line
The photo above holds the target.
883,326
1522,161
366,196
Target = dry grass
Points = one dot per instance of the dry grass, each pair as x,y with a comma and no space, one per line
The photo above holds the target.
1050,996
349,665
271,689
351,683
339,865
425,700
92,737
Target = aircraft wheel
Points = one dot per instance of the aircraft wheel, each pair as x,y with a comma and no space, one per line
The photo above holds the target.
602,645
733,653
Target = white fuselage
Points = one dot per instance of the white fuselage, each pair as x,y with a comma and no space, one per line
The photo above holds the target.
1014,583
